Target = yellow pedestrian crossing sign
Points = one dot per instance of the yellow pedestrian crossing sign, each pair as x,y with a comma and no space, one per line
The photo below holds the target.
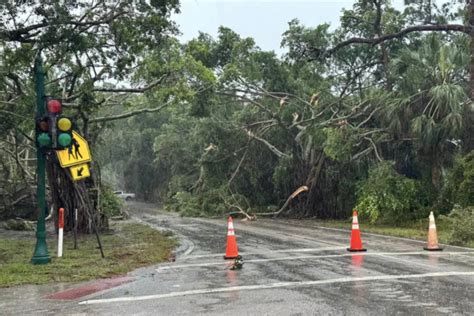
77,153
79,172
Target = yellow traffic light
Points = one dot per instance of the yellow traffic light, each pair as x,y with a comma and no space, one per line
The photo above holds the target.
64,124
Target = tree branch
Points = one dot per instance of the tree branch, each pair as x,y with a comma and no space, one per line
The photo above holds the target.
22,34
239,165
266,143
132,90
387,37
128,114
291,197
375,148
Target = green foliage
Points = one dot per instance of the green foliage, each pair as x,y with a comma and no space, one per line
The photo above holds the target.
388,196
461,220
338,144
184,203
284,170
465,194
209,203
110,204
459,186
244,121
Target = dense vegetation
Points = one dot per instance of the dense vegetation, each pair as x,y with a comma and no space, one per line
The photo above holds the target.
376,114
372,127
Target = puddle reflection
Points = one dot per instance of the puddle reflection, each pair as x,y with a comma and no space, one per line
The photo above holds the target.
232,281
359,286
433,260
357,261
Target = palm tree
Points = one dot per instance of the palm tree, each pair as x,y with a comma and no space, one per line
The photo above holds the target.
430,90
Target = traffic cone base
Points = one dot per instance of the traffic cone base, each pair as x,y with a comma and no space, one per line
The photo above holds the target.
433,249
356,250
231,251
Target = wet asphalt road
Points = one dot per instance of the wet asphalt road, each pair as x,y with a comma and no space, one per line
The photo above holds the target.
290,268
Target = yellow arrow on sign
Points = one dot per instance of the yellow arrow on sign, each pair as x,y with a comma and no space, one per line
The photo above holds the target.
77,153
80,172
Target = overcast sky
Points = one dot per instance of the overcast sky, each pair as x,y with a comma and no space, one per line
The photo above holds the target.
263,20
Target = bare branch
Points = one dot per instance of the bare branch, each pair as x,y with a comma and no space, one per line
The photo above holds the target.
132,90
362,153
291,197
129,114
387,37
238,166
375,148
266,143
23,34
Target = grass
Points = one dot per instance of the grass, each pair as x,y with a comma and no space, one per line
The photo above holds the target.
130,246
414,230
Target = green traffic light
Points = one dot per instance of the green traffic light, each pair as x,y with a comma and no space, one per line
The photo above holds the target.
64,139
43,140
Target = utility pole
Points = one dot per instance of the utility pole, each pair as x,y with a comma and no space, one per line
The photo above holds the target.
40,255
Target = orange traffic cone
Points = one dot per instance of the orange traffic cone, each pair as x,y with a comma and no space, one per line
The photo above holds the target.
432,236
231,251
356,242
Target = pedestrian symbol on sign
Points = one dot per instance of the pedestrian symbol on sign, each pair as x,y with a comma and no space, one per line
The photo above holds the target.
74,146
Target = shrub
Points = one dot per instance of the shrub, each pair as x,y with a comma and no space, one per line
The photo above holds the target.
183,203
388,196
461,220
110,204
208,203
459,184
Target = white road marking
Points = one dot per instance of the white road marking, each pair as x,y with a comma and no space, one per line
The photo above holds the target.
190,247
266,252
275,285
217,263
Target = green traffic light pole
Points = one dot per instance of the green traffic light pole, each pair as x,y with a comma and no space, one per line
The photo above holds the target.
40,255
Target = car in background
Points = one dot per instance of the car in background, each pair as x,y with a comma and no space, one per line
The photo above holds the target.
124,195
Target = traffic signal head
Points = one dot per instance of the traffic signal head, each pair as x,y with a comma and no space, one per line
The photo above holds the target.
57,129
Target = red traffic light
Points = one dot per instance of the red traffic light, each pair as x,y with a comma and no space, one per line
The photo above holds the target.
54,106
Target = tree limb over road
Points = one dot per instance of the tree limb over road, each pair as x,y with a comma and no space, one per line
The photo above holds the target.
400,34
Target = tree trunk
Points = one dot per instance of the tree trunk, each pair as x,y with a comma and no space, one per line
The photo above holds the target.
469,120
75,195
471,34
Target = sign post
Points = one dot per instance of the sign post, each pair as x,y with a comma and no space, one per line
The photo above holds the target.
60,231
40,255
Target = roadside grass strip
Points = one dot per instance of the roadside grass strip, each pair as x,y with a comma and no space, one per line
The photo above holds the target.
277,285
130,247
381,254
